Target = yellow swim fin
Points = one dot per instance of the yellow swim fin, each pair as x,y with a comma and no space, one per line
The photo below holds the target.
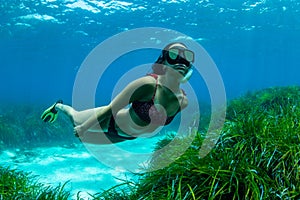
50,114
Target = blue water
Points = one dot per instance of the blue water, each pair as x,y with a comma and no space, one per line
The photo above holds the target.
255,44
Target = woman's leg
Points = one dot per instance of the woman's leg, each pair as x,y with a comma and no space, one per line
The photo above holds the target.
78,117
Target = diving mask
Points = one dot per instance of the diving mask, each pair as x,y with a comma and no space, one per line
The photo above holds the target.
179,56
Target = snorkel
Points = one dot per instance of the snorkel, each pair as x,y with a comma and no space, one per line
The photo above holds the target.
187,76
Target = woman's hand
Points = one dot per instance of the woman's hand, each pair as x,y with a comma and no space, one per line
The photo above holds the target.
79,131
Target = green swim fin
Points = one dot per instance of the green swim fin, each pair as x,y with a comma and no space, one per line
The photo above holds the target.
50,114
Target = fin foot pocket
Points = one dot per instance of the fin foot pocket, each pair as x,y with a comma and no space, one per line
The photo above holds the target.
50,114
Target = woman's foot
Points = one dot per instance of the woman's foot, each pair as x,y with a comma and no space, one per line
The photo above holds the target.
50,114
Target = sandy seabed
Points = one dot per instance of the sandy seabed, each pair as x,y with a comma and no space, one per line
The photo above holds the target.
79,167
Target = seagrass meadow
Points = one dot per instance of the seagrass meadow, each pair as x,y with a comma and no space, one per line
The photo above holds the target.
15,184
21,126
256,157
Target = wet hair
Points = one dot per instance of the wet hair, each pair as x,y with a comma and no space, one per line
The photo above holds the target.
157,67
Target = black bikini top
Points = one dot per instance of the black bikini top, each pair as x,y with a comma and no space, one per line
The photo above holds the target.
147,112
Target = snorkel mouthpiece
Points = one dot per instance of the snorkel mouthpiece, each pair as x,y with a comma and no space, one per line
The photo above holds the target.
185,71
187,76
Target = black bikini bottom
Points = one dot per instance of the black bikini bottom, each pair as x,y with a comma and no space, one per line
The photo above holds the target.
113,133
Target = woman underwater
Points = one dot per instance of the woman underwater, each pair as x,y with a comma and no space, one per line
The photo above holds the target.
154,100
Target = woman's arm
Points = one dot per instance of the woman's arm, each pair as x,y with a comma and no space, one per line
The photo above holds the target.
139,89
